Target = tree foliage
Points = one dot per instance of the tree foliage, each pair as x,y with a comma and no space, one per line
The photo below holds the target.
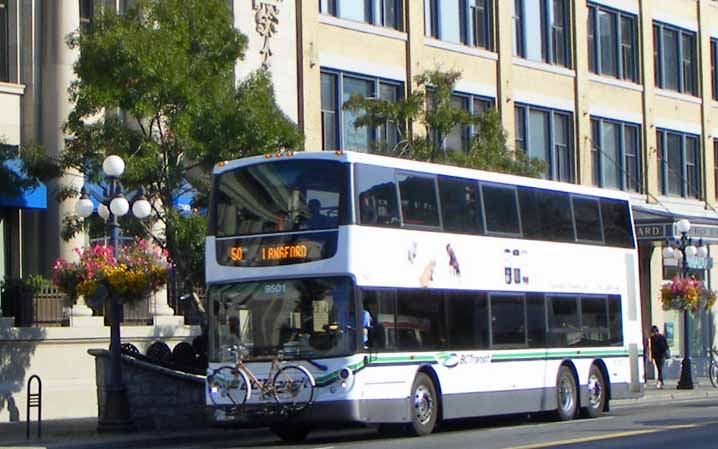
430,106
155,85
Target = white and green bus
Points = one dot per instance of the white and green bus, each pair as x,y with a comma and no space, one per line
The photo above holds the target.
415,292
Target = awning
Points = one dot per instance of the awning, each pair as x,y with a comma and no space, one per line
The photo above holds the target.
658,225
34,198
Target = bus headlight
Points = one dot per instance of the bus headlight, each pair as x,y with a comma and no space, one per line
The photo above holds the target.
346,378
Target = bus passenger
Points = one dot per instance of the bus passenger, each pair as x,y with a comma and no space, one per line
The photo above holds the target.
316,219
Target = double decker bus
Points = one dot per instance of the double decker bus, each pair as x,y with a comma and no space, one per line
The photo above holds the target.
415,293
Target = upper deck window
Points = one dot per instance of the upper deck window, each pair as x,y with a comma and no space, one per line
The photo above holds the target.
281,196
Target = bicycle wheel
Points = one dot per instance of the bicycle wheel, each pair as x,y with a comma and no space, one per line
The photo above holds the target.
293,387
713,373
228,386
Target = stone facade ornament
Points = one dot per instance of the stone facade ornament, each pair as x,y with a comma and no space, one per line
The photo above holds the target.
267,20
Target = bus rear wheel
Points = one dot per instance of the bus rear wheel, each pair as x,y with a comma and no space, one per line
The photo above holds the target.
596,393
424,406
566,394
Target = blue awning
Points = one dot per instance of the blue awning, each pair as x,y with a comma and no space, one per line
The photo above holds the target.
35,198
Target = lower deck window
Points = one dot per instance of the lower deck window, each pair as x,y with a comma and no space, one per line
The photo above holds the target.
416,320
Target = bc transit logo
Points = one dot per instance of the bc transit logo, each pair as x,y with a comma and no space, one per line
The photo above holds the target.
449,360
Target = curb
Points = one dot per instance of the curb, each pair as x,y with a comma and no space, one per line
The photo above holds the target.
140,440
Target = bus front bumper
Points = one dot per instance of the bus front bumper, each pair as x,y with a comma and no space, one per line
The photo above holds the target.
358,411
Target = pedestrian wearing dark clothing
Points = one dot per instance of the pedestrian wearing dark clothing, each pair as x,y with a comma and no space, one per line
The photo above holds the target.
658,351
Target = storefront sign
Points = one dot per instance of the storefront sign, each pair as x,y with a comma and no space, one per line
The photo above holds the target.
694,263
651,232
663,231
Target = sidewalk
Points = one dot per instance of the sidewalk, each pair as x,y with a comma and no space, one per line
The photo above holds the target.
703,389
82,433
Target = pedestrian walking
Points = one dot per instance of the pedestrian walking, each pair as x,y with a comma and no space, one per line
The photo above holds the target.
658,351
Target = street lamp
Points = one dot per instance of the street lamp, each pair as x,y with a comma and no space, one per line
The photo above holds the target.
116,410
682,249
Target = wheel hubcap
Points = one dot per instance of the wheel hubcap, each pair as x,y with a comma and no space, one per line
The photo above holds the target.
594,391
423,404
566,394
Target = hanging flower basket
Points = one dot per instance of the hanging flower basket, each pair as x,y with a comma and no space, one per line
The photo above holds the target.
686,294
140,269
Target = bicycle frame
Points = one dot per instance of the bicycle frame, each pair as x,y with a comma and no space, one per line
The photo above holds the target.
291,392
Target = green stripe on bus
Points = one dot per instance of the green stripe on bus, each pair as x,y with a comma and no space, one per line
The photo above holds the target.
546,354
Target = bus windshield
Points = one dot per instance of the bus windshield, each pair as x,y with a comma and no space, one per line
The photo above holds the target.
280,196
302,318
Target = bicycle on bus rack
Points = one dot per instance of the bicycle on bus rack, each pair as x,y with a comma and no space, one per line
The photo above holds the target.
289,387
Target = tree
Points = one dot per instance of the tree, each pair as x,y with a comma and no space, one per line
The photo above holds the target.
155,85
430,105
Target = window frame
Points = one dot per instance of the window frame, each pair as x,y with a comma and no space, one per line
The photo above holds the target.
437,200
87,12
498,295
620,49
597,200
597,142
468,33
4,41
469,131
339,104
548,32
714,70
659,30
663,174
512,188
375,11
551,164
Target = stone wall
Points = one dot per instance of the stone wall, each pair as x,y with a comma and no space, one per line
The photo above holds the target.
59,356
160,398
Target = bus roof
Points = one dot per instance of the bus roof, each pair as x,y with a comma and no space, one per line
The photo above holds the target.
424,167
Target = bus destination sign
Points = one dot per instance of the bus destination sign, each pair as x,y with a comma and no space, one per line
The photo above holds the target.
276,250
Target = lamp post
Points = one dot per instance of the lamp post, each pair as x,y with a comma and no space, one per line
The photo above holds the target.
682,249
116,411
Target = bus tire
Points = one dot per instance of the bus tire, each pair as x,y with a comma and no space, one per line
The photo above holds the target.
566,394
424,406
290,432
596,393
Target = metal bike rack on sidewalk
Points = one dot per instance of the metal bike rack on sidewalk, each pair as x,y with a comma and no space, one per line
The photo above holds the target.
34,400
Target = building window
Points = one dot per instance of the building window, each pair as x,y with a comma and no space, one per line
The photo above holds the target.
714,75
87,11
674,52
679,164
614,155
715,167
460,137
4,42
545,134
612,43
467,22
542,31
338,130
387,13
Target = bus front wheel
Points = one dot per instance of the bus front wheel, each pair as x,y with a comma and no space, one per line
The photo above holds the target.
567,394
424,406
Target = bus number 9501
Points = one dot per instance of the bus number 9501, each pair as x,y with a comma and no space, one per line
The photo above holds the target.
275,289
